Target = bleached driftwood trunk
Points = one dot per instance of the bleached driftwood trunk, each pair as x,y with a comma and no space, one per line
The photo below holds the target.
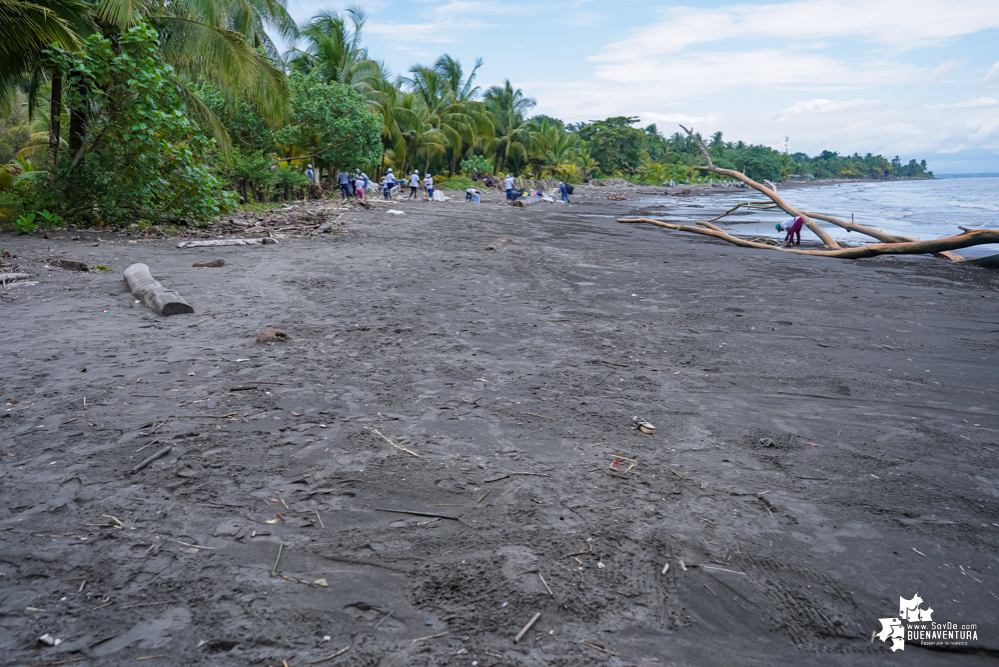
157,298
891,244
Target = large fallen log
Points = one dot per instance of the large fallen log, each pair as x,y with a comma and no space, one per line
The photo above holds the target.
526,200
218,242
157,298
771,194
967,239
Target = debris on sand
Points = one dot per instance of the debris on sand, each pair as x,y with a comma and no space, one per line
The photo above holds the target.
70,264
157,298
643,425
499,244
210,265
271,335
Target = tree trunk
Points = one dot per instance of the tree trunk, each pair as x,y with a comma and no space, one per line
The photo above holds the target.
965,240
55,130
157,298
77,122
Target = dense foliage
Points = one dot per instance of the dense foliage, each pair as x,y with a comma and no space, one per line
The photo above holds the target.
116,113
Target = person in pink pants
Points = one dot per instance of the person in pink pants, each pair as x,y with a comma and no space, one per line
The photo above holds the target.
793,229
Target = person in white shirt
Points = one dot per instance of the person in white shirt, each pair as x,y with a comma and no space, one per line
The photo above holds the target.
428,183
359,187
414,184
508,184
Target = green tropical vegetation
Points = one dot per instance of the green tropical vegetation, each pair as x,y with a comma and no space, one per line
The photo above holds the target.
120,112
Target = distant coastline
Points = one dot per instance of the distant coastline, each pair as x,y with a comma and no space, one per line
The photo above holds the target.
982,175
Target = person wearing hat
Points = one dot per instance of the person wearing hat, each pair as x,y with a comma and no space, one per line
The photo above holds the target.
414,184
428,183
793,228
508,186
388,182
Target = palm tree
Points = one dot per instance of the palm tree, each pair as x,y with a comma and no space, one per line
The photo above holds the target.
333,46
447,96
513,133
26,28
585,162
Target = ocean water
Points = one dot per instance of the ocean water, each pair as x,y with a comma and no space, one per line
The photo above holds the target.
920,209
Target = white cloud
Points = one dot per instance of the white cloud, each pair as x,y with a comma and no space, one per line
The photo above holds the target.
899,23
448,22
761,69
992,78
941,71
980,102
820,106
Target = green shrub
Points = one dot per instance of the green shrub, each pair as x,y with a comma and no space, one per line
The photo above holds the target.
476,162
458,183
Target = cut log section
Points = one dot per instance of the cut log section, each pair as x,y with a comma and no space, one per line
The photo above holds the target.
218,242
10,277
527,200
151,292
499,244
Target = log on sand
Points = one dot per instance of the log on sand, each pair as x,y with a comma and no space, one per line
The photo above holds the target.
218,242
771,194
157,298
965,240
10,277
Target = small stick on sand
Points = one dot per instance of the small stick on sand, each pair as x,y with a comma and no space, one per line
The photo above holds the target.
420,639
331,656
710,591
547,587
274,569
158,455
148,444
598,648
665,569
533,474
430,514
721,569
397,446
523,631
321,525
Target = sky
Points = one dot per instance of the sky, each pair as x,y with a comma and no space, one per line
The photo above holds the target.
913,78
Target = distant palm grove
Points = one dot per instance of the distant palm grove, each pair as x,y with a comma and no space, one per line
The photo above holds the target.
116,112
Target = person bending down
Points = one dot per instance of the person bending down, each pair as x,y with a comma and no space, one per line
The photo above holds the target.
793,229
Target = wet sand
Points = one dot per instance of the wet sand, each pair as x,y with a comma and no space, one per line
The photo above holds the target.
825,443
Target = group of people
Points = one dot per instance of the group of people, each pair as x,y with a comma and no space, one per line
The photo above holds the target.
413,181
509,182
352,185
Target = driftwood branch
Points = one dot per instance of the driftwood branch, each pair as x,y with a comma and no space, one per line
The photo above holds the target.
771,194
157,298
877,233
965,240
219,242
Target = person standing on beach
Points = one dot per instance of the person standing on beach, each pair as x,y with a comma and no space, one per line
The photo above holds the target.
428,183
508,184
343,180
793,228
388,183
359,187
414,184
564,192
